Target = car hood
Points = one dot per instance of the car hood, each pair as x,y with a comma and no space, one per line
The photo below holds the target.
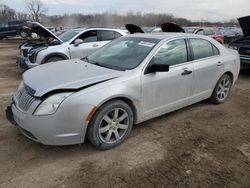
245,25
62,75
133,28
171,27
41,30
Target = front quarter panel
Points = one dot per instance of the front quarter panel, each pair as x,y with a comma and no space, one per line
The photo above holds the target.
97,95
60,49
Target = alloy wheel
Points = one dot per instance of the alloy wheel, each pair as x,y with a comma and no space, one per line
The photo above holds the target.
223,88
113,126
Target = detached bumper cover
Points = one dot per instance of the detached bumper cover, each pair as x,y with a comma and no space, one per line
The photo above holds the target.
10,118
9,115
66,127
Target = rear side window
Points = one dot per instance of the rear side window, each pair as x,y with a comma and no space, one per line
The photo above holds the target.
203,49
172,53
109,35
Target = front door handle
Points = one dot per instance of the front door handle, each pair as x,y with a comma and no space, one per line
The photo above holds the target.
186,72
95,45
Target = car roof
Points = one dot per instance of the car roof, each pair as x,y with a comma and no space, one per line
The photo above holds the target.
162,35
99,28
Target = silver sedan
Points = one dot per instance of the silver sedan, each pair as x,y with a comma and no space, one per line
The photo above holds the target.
131,80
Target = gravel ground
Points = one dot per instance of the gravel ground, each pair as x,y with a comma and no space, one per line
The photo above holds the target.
203,145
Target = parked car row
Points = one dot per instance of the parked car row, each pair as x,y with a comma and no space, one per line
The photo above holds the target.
242,45
213,32
102,92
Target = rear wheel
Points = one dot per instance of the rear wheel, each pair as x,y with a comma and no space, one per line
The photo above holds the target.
110,125
222,89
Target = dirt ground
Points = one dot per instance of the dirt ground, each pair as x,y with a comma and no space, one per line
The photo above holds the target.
203,145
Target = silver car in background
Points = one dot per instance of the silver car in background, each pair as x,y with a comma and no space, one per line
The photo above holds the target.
130,80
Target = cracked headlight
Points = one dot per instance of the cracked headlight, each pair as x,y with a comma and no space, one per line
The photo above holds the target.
51,104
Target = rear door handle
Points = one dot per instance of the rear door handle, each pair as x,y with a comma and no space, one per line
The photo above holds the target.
95,45
186,72
219,63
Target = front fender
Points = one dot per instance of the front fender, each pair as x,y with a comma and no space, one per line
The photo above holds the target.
100,94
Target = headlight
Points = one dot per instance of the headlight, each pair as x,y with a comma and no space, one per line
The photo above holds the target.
51,104
233,47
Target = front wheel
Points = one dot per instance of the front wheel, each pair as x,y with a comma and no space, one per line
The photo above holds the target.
54,59
24,34
110,125
221,90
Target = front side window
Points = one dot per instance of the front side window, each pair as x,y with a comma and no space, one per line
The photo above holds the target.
172,53
124,53
203,49
89,36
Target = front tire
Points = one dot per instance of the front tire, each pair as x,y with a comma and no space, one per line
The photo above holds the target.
221,90
110,125
54,59
24,34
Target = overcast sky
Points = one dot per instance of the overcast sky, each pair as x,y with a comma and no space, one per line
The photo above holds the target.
211,10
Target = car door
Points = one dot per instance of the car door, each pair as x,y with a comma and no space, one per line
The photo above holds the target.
208,67
167,91
89,45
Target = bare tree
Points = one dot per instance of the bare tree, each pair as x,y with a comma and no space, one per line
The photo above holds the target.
36,9
6,13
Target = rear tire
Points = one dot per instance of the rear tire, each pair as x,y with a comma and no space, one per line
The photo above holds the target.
221,90
110,125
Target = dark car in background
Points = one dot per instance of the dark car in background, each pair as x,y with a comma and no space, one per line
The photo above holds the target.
231,34
213,32
243,44
13,28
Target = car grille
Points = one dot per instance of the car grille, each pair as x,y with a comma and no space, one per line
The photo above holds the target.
244,51
25,52
23,99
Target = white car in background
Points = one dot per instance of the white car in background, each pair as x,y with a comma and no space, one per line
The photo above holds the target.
75,43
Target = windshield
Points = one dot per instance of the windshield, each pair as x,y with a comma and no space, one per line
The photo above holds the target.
124,53
68,35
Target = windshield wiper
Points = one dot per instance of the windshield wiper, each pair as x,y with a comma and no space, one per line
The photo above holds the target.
86,59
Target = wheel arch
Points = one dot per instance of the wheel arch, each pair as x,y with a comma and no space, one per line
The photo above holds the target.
57,54
230,74
127,101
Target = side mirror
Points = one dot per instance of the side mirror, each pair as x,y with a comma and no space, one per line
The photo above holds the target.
77,42
154,67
